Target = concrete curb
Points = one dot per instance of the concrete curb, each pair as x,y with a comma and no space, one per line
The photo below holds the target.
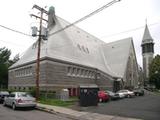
51,111
82,115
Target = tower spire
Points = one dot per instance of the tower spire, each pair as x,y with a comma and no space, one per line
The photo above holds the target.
147,36
147,53
146,21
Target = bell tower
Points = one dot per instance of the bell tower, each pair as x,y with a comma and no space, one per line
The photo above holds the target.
147,52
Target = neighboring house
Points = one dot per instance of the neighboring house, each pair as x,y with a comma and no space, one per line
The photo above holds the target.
73,57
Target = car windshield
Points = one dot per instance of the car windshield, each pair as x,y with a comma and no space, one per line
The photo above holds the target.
120,91
24,95
4,92
110,92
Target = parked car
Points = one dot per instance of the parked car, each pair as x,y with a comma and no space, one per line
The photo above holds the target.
19,99
103,96
150,88
120,94
112,95
3,94
138,92
126,93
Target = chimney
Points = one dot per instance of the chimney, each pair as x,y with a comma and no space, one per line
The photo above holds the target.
51,17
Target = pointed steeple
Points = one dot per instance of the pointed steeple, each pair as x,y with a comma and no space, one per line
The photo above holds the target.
147,36
147,52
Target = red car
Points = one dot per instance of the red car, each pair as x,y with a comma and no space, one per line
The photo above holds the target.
103,96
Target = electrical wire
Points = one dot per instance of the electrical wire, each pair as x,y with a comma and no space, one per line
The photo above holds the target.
87,16
11,43
81,19
14,30
130,30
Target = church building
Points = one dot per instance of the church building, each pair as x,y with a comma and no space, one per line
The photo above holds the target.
147,53
73,57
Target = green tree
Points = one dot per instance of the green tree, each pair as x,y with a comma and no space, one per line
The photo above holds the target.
154,72
4,64
15,59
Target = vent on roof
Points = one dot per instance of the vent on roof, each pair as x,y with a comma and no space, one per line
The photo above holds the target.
79,47
87,50
83,49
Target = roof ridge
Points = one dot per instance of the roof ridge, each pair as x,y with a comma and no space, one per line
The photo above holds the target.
123,39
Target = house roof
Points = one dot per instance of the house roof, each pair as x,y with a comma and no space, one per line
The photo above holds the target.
147,36
77,46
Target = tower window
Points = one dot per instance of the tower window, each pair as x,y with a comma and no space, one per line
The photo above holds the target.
146,48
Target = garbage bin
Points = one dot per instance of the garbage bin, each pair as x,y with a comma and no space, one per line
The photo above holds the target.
88,95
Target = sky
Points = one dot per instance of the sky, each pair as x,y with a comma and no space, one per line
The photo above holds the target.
126,18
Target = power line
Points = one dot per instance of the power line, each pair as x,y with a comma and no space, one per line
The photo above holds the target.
14,30
11,43
87,16
81,19
130,30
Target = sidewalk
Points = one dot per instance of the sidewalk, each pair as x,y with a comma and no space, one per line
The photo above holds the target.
77,115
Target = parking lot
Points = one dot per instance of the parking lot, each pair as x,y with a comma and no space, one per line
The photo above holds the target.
146,107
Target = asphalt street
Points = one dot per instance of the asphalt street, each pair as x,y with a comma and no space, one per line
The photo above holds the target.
144,107
6,113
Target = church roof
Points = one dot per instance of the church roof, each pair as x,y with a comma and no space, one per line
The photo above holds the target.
116,54
77,46
147,36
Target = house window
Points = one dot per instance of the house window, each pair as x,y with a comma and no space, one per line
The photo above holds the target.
82,72
86,73
27,71
98,75
74,71
78,72
69,71
92,75
19,88
89,74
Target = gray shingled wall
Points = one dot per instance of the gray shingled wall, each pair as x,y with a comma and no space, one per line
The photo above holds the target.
57,74
54,75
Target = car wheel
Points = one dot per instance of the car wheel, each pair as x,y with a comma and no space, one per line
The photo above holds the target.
100,100
34,107
128,96
13,106
138,94
4,103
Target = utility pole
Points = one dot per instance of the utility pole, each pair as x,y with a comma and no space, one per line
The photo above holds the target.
41,36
